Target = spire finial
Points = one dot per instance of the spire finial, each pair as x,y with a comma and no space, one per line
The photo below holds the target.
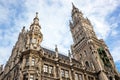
36,19
23,30
70,57
56,49
37,14
69,53
56,52
73,5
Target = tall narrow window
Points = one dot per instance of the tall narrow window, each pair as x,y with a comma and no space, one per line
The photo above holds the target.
66,74
33,61
78,76
45,68
27,61
87,64
31,77
85,52
62,73
50,69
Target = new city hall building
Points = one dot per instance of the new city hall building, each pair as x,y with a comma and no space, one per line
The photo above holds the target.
89,58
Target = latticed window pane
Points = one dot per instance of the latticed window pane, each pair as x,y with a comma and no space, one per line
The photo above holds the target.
62,73
31,77
80,77
45,68
33,61
76,76
66,74
50,69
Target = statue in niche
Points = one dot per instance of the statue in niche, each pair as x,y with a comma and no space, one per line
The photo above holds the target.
104,57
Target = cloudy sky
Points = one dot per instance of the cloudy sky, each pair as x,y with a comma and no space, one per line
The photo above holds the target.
54,18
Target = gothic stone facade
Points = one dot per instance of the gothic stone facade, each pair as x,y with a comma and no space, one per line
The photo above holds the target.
89,58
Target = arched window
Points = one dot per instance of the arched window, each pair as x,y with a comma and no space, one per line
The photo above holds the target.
110,78
87,64
33,61
85,52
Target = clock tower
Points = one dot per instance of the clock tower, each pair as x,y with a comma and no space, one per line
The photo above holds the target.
90,51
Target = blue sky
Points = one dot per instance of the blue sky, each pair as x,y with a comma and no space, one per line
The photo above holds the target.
54,18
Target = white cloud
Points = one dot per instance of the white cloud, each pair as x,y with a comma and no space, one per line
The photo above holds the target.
54,18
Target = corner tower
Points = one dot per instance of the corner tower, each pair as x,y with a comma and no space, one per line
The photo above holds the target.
91,52
34,36
31,56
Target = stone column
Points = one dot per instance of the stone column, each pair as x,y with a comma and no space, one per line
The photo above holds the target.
30,60
28,76
72,74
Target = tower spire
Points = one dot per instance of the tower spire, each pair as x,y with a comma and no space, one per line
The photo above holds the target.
36,19
70,57
36,14
35,36
73,5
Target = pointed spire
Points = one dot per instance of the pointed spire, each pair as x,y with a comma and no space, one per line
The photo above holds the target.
73,5
75,10
70,24
36,19
23,30
69,54
70,57
56,51
36,14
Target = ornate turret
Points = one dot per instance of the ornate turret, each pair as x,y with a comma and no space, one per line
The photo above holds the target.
76,14
34,36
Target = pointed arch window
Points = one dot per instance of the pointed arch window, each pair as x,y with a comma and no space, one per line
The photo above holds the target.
87,64
85,52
